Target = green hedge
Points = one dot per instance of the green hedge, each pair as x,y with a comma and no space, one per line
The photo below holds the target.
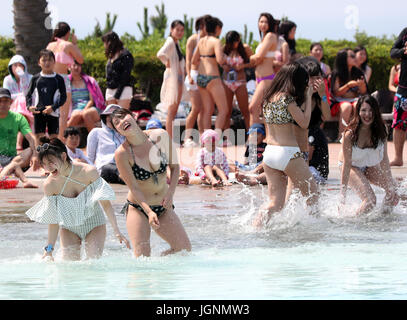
148,70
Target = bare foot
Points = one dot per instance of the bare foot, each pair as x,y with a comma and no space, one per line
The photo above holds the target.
396,163
28,184
251,181
216,183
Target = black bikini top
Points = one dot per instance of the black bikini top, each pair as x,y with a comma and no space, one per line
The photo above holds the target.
207,56
143,174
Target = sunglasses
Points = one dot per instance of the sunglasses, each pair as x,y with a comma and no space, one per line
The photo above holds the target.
44,147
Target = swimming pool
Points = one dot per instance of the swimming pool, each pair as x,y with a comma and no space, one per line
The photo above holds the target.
334,256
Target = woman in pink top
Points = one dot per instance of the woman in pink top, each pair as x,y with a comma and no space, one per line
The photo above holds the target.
65,52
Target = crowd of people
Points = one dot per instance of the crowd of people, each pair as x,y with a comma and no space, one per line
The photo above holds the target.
286,148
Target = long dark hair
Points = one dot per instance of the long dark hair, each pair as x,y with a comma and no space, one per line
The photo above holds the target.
341,68
114,44
284,30
314,70
200,22
292,79
364,64
231,38
273,23
377,128
53,147
61,29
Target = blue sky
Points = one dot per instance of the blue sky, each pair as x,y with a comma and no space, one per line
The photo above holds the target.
315,19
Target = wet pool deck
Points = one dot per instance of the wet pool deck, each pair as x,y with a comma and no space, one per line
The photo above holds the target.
19,199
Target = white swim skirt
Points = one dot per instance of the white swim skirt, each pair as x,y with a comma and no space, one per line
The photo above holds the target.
278,157
127,94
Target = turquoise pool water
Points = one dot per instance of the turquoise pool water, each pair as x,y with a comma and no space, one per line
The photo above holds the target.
334,256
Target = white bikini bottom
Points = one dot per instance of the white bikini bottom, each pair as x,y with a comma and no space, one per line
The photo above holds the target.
278,157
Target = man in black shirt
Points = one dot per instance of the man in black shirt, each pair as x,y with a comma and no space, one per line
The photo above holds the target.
46,94
399,51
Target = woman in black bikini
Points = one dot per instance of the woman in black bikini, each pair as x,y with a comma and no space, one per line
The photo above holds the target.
143,166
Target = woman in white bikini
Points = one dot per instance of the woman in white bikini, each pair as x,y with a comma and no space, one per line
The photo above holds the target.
288,101
263,59
66,52
75,200
363,159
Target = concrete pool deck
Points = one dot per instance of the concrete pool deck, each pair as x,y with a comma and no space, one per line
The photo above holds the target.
17,200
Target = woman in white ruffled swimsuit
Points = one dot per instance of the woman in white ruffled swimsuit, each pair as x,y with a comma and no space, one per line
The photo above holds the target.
363,159
74,197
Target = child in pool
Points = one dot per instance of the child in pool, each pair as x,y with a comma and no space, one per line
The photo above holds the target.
212,165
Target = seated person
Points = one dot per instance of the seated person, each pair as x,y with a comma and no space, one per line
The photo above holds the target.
253,172
254,150
87,99
72,140
17,82
212,165
102,144
11,123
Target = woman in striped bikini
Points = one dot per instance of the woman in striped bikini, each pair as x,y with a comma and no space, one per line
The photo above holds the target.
74,202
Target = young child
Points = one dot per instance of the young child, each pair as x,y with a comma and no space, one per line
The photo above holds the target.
212,165
72,140
46,94
253,167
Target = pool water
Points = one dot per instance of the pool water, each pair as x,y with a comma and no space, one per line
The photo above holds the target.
298,256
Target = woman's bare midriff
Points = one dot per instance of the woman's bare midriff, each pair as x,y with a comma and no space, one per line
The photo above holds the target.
153,193
281,135
265,68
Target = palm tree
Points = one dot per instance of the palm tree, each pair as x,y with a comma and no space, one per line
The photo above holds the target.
32,30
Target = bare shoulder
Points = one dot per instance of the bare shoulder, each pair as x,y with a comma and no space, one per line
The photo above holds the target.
121,151
270,36
50,186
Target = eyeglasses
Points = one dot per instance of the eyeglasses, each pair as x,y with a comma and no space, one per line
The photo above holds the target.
44,147
352,55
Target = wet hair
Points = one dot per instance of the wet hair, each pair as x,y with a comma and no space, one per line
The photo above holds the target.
71,131
177,23
61,29
114,44
364,64
273,23
314,44
211,24
55,148
120,113
292,79
47,54
341,68
200,22
377,128
231,38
